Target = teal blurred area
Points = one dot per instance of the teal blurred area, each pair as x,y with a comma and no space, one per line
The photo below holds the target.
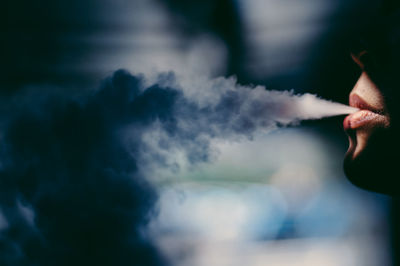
278,199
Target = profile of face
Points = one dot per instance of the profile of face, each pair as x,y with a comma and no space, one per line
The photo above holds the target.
371,162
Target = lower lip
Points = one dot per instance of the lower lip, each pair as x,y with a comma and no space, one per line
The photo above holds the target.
360,119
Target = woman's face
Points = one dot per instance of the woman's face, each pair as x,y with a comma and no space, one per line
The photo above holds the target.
368,161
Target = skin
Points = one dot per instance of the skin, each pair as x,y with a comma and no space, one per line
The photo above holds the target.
369,162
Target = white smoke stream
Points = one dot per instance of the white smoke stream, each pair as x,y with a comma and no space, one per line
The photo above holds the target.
208,110
254,102
313,107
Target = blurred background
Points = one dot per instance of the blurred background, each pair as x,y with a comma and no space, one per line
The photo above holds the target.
279,199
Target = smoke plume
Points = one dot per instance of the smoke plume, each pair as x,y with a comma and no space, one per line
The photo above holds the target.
76,169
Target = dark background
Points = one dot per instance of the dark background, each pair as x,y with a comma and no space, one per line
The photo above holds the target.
45,41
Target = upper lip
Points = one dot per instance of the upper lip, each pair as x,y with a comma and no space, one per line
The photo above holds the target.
356,101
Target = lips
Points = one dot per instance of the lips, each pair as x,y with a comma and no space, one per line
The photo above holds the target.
361,124
368,116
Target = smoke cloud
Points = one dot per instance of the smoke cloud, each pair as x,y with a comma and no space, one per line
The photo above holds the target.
76,169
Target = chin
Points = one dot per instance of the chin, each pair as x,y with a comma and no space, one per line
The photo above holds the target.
374,166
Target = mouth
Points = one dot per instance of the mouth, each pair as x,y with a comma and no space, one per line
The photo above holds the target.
360,125
368,117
